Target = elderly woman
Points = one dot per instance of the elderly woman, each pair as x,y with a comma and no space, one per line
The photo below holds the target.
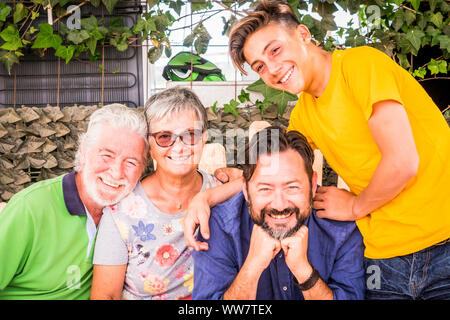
140,250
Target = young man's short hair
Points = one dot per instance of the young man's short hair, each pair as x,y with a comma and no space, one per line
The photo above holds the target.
264,13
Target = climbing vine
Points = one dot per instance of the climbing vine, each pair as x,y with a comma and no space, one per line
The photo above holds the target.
402,29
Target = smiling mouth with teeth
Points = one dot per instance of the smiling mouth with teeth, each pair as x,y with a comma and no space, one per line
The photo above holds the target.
179,158
110,183
286,76
281,216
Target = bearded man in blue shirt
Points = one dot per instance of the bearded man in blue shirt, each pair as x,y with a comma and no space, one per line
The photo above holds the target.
268,243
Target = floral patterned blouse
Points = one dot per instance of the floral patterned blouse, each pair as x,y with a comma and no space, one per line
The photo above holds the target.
151,242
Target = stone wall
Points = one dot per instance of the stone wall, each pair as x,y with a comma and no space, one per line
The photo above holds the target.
40,143
37,143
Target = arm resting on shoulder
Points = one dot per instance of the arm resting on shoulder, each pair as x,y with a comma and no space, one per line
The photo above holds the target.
198,211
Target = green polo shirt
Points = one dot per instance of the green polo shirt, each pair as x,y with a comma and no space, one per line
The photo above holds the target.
45,243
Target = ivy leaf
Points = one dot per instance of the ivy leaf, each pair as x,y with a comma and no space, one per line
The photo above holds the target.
397,23
443,66
329,24
433,4
261,87
46,38
8,58
152,3
110,4
168,51
281,98
415,4
437,19
145,26
231,107
120,44
176,6
197,5
187,42
420,72
34,15
403,60
409,17
214,107
4,11
308,21
77,36
244,96
20,13
62,3
262,106
95,3
89,23
433,67
444,42
154,53
201,44
414,36
11,37
65,52
91,43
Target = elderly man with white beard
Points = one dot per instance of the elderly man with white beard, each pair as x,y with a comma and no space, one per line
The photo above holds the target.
47,230
268,243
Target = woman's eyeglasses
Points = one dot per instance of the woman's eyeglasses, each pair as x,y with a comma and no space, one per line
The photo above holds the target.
166,138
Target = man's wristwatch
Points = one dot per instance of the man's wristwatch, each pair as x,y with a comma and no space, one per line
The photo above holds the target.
310,282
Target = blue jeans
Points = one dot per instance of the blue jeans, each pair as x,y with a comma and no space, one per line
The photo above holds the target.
424,274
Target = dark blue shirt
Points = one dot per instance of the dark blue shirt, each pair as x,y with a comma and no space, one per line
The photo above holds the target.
335,249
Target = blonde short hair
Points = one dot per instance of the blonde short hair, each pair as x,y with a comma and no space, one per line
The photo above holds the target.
263,14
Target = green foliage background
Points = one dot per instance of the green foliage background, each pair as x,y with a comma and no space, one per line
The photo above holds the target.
399,28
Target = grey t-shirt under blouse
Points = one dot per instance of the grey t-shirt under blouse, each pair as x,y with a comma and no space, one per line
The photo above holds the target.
151,242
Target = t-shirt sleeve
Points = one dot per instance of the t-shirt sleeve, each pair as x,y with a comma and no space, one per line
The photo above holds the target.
16,239
372,77
110,248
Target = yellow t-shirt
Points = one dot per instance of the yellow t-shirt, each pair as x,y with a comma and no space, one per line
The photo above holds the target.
337,124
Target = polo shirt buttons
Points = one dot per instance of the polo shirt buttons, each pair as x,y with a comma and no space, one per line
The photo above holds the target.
284,288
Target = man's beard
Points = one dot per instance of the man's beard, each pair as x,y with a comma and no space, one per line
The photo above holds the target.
91,189
281,232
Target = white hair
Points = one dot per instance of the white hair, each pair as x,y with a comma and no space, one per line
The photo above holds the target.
171,101
117,115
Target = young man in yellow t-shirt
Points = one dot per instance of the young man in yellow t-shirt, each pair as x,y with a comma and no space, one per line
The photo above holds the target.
380,131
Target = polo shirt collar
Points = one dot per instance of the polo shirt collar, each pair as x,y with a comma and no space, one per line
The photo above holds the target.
72,199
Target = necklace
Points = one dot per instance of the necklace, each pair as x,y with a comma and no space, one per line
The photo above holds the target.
179,206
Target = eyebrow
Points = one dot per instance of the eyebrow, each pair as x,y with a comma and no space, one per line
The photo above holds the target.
264,50
110,151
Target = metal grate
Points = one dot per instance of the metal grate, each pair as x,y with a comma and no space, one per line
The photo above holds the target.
34,82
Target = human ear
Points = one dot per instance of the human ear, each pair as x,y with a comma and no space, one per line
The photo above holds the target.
314,183
245,189
304,33
205,136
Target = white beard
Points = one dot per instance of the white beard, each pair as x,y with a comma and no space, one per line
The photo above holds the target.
95,195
